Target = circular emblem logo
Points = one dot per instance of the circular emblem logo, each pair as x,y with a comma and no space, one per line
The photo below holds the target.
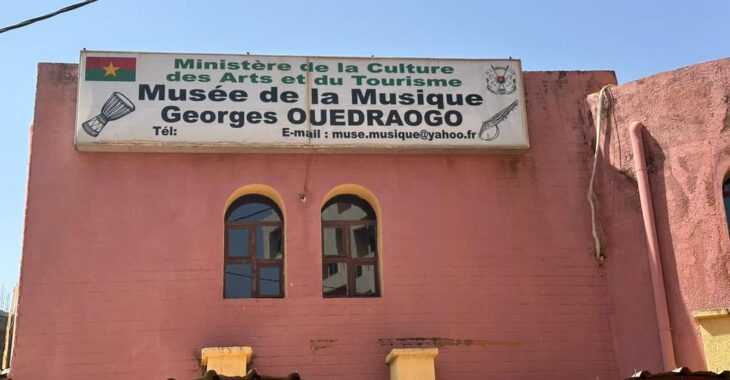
501,80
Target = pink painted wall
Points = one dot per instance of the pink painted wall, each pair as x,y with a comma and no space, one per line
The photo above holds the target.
687,138
488,257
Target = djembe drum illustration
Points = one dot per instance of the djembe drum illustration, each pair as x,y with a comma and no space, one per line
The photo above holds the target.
117,106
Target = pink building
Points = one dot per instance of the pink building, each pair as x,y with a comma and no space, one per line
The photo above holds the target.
133,262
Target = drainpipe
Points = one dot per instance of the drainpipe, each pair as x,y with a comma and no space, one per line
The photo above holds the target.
657,277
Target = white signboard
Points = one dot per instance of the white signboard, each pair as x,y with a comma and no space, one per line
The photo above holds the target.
208,103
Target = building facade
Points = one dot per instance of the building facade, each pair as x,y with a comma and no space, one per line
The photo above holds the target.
130,260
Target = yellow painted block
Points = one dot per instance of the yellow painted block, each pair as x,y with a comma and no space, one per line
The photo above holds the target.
715,329
227,361
412,363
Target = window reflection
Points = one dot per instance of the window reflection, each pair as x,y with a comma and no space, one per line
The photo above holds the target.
333,241
253,208
347,208
334,279
237,242
270,281
238,281
365,281
254,224
349,248
268,242
362,239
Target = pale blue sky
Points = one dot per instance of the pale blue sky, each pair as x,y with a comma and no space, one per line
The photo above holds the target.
633,38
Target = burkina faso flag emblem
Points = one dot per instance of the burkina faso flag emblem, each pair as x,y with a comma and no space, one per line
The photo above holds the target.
112,69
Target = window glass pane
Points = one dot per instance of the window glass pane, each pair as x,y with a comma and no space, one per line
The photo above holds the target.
253,209
269,243
237,242
362,241
365,280
333,242
270,281
344,211
238,281
348,208
334,279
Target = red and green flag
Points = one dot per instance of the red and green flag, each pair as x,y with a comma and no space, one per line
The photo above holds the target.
112,69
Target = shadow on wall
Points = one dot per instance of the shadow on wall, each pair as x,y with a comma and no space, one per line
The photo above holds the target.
620,225
683,326
633,320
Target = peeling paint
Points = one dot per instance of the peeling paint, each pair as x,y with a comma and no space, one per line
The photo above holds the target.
320,344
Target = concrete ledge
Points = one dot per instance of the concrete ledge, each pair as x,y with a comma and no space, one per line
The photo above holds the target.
226,361
714,327
712,313
412,363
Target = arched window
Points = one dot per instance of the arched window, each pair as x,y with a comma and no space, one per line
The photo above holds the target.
726,198
254,249
349,248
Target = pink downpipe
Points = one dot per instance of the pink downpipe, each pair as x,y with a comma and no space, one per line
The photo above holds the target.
657,277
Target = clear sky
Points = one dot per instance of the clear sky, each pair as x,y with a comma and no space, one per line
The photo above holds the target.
633,38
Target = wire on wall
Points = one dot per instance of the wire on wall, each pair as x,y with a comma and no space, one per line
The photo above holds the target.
305,191
602,108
